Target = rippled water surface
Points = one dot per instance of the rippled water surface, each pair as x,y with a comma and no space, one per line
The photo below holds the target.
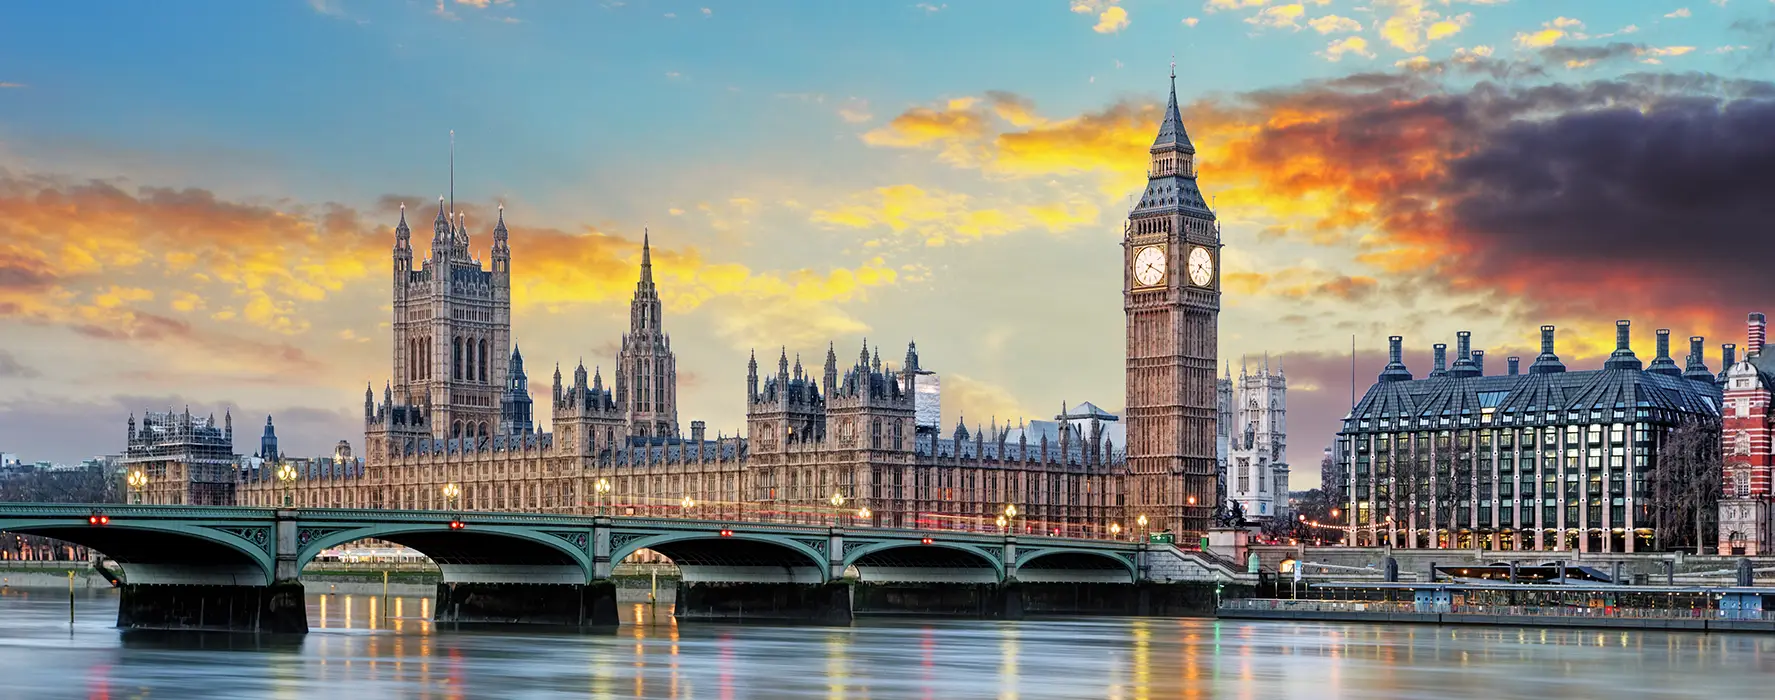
361,647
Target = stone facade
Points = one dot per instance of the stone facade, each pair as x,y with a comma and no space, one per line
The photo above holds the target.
1254,411
1746,524
1171,300
452,416
185,460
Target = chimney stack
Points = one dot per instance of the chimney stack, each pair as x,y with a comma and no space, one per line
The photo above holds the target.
1441,366
1728,357
1547,362
1758,331
1515,365
697,430
1623,357
1395,370
1663,364
1463,366
1479,363
1697,367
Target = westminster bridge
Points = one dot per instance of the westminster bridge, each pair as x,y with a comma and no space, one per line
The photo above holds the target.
234,568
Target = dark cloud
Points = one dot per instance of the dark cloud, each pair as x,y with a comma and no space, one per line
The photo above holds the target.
11,368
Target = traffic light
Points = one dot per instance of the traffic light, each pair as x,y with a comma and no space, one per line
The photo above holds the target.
456,525
98,518
726,533
926,540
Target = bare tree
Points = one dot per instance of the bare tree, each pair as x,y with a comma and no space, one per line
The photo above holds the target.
1686,486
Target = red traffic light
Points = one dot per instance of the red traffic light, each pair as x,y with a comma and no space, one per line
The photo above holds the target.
726,533
456,525
926,540
98,518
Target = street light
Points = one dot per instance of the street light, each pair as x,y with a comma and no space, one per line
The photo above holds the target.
287,475
837,501
137,482
864,513
1001,523
1115,530
602,487
1009,517
451,491
687,504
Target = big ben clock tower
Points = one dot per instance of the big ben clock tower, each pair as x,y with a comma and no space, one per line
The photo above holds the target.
1171,296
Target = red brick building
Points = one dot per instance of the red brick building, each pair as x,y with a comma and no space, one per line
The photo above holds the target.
1745,507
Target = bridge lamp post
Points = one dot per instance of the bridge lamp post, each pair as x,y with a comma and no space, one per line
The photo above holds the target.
137,482
451,491
1115,530
1010,517
603,487
837,501
1141,521
1001,524
286,475
687,504
863,514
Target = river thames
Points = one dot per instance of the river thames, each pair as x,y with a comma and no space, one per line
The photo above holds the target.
361,647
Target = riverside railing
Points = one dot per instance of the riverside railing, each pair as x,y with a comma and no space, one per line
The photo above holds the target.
1402,607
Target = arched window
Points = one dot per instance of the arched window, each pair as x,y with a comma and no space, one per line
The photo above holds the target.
1741,483
483,431
456,430
456,357
483,360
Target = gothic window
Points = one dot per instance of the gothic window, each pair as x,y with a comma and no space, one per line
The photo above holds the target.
483,360
875,435
456,358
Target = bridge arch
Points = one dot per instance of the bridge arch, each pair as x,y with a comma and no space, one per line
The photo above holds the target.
1075,565
739,557
937,562
478,553
167,552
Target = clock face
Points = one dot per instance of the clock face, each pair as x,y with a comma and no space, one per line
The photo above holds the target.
1201,267
1149,266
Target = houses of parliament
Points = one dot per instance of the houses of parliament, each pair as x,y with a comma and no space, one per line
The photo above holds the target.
838,444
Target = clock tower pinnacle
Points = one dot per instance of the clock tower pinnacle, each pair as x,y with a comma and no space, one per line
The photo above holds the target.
1171,298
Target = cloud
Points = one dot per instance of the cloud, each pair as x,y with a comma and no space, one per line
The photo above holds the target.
1679,13
483,4
1332,24
938,218
1347,45
11,368
1411,26
1218,5
1111,17
977,402
708,12
1550,33
4,86
855,111
1279,16
1191,21
932,8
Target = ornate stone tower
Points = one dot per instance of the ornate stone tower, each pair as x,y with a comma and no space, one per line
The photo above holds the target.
452,327
1171,296
646,369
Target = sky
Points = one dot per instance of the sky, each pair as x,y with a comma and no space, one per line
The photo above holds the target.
197,203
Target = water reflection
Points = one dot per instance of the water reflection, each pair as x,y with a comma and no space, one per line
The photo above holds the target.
368,646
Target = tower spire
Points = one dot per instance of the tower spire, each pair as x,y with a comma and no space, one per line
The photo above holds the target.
646,257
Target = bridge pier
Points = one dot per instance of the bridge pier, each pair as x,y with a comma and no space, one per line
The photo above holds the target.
279,608
817,603
577,605
985,601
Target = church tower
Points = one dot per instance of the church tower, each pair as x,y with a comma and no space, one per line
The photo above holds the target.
1171,298
646,369
452,325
